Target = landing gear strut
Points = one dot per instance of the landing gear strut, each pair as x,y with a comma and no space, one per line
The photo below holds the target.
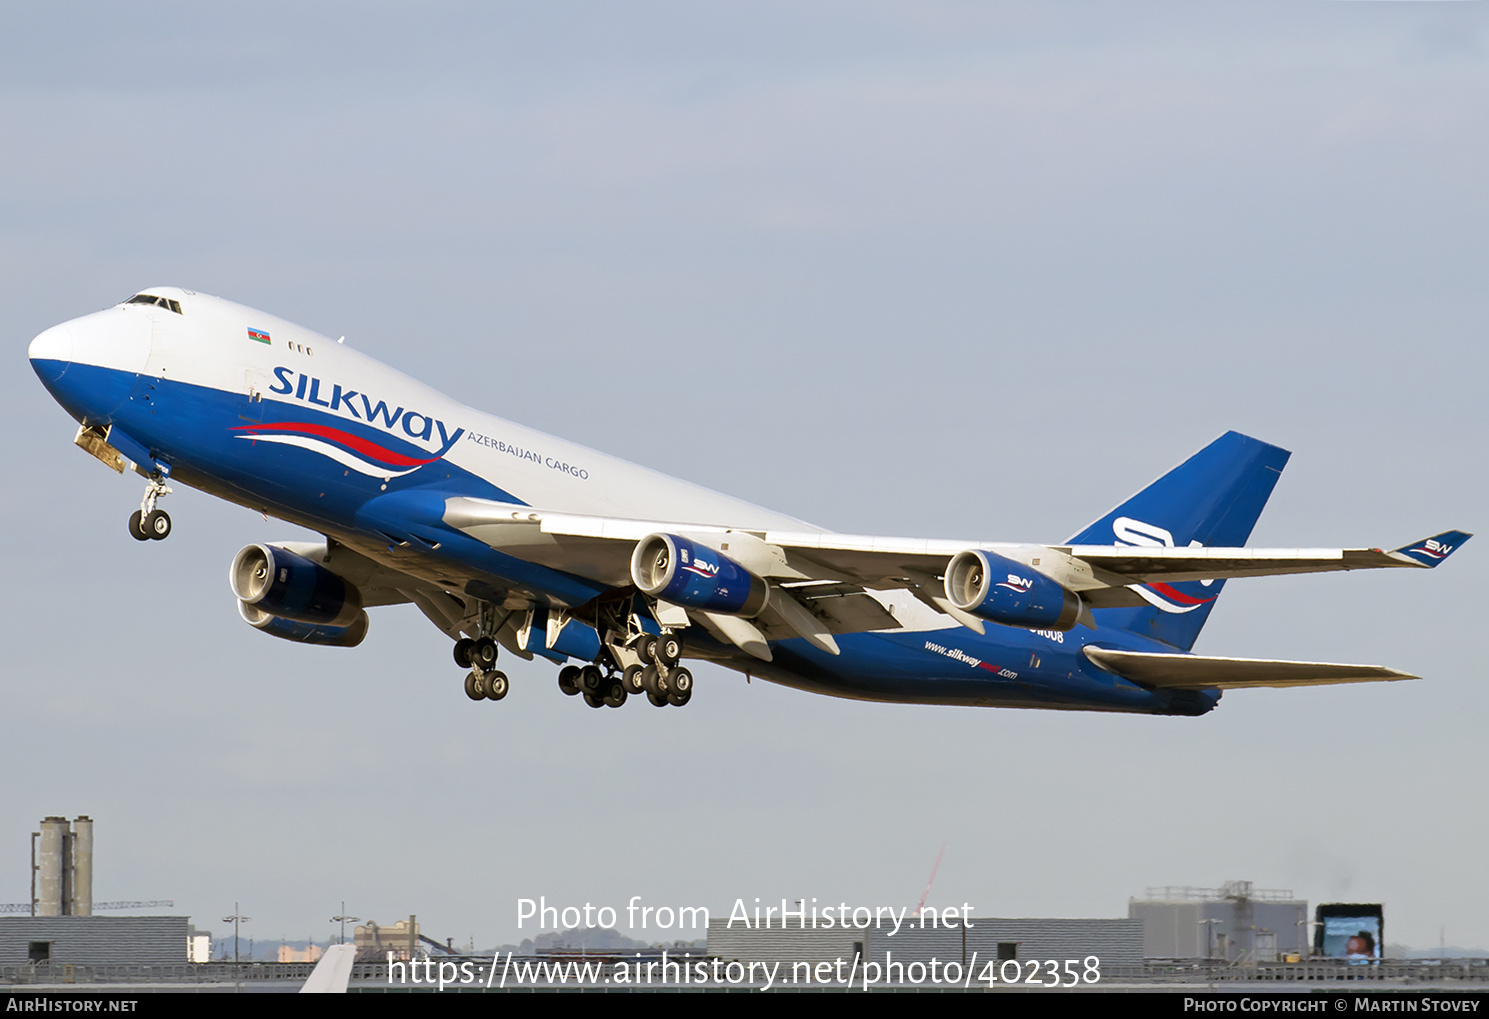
601,687
632,663
485,681
147,522
489,685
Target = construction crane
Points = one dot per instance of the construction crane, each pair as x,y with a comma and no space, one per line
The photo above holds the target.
28,907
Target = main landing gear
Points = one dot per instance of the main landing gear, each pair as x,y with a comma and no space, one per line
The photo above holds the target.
637,664
630,663
485,681
601,688
147,522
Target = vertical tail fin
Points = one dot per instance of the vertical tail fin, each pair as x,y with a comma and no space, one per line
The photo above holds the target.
1214,499
333,972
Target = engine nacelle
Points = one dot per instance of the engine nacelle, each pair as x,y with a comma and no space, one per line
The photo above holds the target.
686,573
283,584
305,633
992,587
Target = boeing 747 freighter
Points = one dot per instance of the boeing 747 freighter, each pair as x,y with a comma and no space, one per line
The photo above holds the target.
513,541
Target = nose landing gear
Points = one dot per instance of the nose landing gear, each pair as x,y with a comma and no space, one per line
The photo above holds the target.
147,522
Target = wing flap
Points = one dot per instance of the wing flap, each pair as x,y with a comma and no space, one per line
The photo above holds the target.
845,609
1198,672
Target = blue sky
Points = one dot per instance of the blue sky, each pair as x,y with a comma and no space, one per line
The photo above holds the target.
954,270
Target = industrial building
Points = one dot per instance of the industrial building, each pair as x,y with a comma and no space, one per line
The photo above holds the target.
61,928
1114,941
376,943
94,940
1235,923
1232,923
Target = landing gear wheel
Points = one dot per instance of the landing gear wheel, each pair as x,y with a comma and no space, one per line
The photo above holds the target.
568,679
669,650
645,646
150,522
463,648
615,695
496,685
592,700
484,653
631,679
156,524
654,683
475,686
591,680
682,687
657,701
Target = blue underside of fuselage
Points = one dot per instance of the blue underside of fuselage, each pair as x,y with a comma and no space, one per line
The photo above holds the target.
1028,671
206,438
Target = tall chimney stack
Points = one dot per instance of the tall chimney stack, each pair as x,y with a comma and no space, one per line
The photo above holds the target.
64,867
82,866
52,865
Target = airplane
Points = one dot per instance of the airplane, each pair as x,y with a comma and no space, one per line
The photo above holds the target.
510,540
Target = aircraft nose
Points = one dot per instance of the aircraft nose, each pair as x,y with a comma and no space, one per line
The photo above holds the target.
51,353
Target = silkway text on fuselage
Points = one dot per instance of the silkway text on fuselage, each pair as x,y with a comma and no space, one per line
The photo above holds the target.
308,390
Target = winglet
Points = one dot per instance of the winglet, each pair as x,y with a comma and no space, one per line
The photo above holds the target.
1431,551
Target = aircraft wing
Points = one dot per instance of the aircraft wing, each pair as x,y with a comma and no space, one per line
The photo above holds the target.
872,558
381,585
377,586
1180,564
1197,672
597,547
804,564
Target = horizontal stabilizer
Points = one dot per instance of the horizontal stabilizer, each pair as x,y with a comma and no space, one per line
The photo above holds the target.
1431,551
1197,672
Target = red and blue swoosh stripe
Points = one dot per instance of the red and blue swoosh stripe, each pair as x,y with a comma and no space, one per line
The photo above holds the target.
1169,598
312,435
1178,597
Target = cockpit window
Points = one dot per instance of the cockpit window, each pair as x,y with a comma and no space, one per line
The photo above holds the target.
161,302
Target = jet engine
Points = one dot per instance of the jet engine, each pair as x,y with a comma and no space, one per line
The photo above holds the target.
686,573
305,633
289,586
992,587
